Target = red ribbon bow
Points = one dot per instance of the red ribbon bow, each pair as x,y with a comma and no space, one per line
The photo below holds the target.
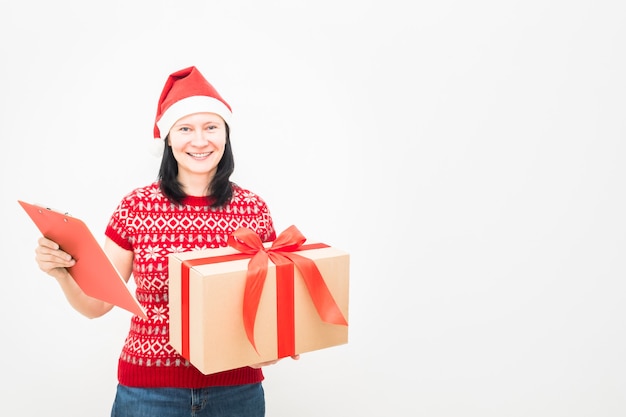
281,253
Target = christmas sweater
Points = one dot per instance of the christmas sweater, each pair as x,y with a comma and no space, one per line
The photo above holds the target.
152,226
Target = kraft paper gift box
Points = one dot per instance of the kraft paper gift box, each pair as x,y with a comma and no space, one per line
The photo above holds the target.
227,312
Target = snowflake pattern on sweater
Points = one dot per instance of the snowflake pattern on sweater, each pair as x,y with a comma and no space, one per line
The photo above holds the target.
151,226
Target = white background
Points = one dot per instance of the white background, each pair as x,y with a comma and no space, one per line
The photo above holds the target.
469,156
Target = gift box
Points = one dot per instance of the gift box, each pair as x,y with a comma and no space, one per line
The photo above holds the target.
253,302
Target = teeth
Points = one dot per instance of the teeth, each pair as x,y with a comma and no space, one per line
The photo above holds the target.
199,155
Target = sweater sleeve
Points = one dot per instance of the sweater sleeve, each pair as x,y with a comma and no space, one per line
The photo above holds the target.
266,224
116,229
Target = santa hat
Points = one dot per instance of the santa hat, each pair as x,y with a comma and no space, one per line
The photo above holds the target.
187,92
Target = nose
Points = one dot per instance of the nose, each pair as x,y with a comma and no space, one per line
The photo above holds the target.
200,138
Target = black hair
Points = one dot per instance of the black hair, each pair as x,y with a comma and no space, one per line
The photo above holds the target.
221,187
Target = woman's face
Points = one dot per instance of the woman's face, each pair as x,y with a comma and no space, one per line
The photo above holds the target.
198,142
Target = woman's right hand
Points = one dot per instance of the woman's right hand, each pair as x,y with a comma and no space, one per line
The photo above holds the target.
51,259
54,262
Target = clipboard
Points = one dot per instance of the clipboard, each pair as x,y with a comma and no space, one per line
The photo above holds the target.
93,272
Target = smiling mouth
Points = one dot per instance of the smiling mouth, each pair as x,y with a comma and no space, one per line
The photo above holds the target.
200,155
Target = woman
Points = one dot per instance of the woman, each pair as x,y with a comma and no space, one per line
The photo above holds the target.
193,205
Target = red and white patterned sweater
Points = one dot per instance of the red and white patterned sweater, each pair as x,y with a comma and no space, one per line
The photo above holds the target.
152,227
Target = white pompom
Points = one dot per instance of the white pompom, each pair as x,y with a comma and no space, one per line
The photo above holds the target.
156,147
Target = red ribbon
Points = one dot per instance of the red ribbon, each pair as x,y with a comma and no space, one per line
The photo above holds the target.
248,243
281,254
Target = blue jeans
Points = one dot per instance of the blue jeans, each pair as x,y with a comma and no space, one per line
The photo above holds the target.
232,401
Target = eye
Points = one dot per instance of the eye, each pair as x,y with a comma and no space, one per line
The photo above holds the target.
184,129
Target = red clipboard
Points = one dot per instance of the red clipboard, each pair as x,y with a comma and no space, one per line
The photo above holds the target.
93,272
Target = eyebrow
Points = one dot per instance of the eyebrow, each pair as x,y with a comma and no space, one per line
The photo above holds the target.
215,122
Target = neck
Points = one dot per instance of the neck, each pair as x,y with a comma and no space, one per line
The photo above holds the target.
196,185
